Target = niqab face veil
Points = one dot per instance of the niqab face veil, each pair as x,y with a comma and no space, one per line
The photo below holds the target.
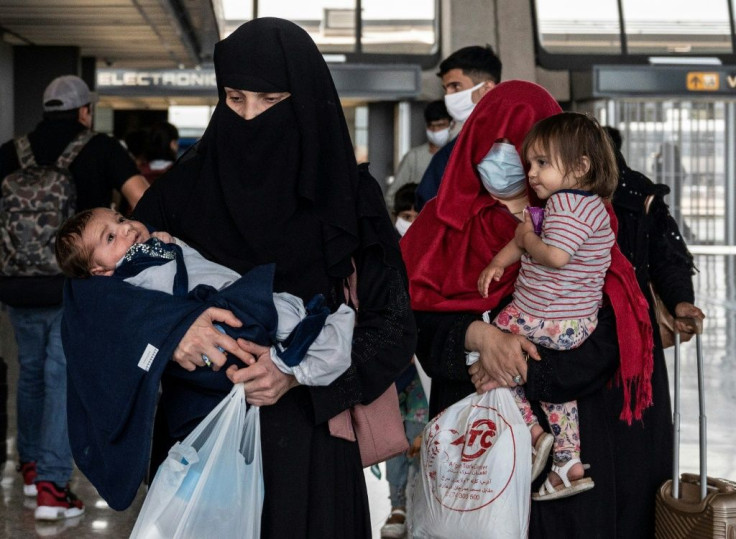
286,178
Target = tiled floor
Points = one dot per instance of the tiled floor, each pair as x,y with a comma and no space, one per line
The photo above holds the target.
715,293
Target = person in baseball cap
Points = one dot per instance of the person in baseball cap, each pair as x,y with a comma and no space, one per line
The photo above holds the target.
100,167
66,93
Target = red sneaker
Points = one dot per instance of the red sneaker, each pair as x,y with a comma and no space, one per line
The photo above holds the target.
55,503
28,470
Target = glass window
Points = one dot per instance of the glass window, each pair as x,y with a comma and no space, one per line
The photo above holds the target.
388,28
666,27
237,10
391,27
330,23
579,26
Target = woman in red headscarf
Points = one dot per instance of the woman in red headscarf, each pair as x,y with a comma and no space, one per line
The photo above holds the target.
445,249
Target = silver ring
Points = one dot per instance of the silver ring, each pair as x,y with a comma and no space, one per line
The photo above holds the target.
517,379
206,360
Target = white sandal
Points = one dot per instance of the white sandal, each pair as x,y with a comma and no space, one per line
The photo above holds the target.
540,453
568,488
395,530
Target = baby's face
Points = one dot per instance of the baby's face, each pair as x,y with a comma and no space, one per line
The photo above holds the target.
109,235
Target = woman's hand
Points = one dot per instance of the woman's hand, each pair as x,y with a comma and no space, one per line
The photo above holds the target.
265,384
687,310
203,339
502,356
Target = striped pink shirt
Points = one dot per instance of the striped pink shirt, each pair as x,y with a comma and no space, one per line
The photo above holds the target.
576,222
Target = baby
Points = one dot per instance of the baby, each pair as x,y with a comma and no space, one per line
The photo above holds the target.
311,344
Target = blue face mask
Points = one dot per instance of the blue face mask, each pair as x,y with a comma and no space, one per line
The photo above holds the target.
501,171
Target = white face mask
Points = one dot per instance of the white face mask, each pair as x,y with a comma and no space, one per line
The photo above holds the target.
460,104
402,225
438,138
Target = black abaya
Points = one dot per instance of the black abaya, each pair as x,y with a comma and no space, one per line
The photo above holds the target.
283,187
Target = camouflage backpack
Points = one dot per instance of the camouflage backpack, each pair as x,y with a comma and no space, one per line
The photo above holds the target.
35,201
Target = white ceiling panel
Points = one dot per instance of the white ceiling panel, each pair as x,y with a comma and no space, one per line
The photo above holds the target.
118,33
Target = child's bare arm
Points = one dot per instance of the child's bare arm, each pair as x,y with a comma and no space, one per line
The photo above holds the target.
493,271
547,255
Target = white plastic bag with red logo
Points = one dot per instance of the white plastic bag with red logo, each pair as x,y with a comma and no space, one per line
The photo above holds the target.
475,478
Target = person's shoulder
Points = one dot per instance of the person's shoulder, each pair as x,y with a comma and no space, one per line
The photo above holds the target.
635,180
633,190
420,149
445,151
369,195
101,146
571,201
365,177
103,139
8,158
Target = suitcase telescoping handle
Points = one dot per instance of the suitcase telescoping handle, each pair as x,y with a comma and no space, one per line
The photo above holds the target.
697,325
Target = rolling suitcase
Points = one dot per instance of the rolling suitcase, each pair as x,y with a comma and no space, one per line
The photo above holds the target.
694,506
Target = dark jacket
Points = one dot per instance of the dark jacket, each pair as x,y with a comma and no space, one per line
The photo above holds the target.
114,374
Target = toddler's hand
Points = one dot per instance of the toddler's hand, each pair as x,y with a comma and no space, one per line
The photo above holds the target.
415,447
523,229
489,273
163,236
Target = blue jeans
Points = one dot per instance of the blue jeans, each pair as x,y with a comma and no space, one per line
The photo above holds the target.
43,436
397,468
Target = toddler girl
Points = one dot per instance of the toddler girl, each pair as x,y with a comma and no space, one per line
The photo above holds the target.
559,288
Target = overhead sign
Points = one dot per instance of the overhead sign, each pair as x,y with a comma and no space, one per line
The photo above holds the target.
152,82
384,81
664,81
699,81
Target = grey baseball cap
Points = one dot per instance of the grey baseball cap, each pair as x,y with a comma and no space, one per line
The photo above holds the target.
66,93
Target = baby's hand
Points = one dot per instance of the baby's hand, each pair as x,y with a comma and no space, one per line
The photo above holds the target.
163,236
490,273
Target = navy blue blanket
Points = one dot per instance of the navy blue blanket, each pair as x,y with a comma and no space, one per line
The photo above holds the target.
118,340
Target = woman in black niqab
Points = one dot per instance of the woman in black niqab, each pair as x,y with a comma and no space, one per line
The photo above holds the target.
284,187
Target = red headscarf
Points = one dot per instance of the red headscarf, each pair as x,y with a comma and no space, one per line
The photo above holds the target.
458,233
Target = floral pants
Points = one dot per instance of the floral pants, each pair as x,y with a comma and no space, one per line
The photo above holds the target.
563,417
563,421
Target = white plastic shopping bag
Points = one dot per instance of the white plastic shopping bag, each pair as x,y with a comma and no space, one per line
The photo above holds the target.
475,471
211,484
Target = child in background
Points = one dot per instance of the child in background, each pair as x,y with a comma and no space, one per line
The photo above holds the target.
559,288
412,400
312,345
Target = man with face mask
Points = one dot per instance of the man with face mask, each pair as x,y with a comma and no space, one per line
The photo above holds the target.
415,162
467,75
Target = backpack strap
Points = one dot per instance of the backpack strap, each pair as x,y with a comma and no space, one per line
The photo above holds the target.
24,151
73,148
